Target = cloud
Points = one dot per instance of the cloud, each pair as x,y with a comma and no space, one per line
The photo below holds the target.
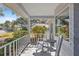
3,19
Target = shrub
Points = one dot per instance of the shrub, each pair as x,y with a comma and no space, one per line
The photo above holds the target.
2,43
19,33
39,29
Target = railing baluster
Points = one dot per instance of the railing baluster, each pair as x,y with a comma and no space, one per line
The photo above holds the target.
10,50
5,51
16,48
13,49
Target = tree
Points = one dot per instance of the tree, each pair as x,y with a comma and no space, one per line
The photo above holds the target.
23,22
35,20
7,25
13,23
1,24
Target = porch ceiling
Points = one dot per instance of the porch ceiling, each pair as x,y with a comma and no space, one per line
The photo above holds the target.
40,9
34,9
16,8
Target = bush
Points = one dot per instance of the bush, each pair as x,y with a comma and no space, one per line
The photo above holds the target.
16,34
19,33
39,29
2,43
38,32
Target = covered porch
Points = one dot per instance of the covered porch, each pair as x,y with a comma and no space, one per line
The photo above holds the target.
54,42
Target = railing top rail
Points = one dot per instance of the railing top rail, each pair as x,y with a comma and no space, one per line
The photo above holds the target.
11,42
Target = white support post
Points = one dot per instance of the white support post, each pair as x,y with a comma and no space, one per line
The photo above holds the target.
29,27
10,50
16,48
5,51
13,49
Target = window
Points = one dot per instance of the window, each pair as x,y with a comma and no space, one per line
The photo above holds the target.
62,25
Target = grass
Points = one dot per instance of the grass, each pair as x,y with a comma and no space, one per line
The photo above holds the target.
7,35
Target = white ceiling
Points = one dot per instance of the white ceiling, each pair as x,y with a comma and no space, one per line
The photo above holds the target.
40,9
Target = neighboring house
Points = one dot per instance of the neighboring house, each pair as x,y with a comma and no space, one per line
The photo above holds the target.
1,28
2,32
2,40
38,20
40,25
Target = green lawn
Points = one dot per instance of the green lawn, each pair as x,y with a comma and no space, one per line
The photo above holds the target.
7,35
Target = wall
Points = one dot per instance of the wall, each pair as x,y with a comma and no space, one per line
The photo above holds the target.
76,29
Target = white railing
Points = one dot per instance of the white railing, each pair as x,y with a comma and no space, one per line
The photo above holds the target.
15,47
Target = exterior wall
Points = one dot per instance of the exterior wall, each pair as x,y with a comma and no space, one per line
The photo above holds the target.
76,29
67,46
71,28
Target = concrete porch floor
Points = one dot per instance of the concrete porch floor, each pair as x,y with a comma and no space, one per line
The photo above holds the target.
30,50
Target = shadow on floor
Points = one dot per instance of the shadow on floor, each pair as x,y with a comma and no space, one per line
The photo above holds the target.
51,49
42,54
46,53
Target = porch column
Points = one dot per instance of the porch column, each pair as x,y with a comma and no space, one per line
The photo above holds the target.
50,24
29,27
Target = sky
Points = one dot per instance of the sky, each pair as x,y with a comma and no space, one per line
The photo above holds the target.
8,15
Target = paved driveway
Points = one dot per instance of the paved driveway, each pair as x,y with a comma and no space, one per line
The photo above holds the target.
2,31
